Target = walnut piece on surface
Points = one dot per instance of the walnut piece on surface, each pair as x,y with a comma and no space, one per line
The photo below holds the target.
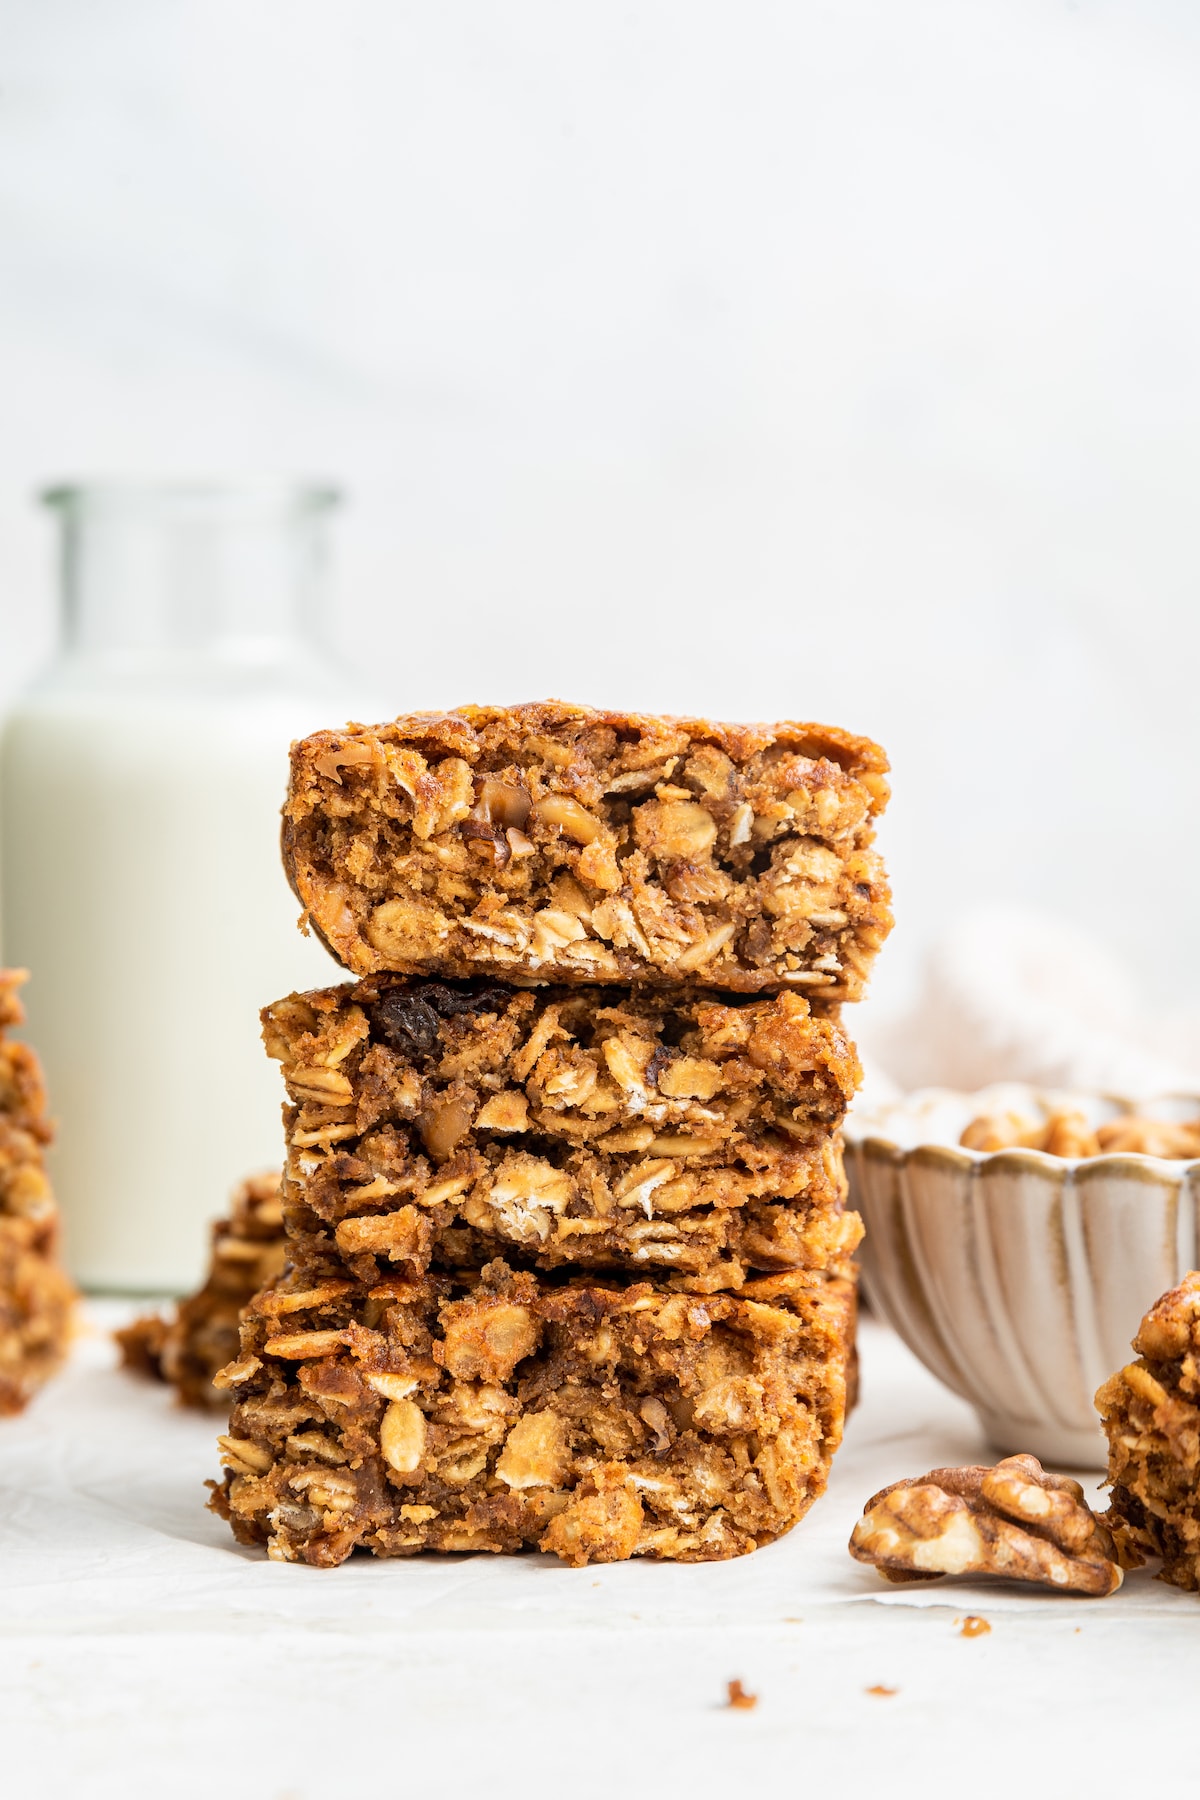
1151,1414
1014,1520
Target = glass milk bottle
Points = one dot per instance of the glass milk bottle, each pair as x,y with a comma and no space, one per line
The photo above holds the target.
142,887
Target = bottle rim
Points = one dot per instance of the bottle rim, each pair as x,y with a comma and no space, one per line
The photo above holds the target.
199,496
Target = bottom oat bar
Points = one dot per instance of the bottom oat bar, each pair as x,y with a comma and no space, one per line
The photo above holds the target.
1151,1413
501,1411
36,1298
248,1251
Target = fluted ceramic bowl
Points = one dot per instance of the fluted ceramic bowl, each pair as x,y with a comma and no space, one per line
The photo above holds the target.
1018,1277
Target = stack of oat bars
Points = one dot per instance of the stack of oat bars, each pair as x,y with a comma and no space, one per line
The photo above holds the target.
570,1265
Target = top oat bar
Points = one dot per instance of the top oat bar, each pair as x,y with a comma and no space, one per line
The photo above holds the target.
551,842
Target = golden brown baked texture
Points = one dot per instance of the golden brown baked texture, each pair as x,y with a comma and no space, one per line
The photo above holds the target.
498,1411
551,842
36,1298
187,1349
653,1130
1151,1414
1016,1521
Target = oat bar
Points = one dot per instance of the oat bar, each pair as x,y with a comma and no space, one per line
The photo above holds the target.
501,1411
201,1336
551,842
1151,1413
36,1298
601,1127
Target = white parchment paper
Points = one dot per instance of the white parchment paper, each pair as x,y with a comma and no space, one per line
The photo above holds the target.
140,1646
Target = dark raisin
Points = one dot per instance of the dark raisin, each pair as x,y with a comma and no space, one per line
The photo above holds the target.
662,1059
451,1002
405,1022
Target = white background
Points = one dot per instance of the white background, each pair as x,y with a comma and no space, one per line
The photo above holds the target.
827,359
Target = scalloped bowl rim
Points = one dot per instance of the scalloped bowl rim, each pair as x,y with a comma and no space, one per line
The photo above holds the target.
868,1132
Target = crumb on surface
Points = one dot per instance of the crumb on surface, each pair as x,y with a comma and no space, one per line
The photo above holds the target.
739,1699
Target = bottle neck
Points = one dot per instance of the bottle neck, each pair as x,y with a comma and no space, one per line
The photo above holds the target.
194,573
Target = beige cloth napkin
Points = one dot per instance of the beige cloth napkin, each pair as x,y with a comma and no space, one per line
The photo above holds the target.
1012,995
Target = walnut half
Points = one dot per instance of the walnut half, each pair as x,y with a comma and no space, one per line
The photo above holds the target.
1015,1520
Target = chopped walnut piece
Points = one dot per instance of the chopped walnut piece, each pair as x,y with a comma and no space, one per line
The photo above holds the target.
487,1338
1068,1134
1134,1136
444,1126
1065,1132
566,815
505,803
1014,1520
676,828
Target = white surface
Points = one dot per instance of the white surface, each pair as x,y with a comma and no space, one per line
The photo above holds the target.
141,1651
871,326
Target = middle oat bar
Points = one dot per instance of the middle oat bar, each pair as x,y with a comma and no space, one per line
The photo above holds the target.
672,1133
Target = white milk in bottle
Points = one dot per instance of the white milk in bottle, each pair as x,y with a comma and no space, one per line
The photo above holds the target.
142,886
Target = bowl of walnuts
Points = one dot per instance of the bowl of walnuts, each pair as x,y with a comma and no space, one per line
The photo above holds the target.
1016,1236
